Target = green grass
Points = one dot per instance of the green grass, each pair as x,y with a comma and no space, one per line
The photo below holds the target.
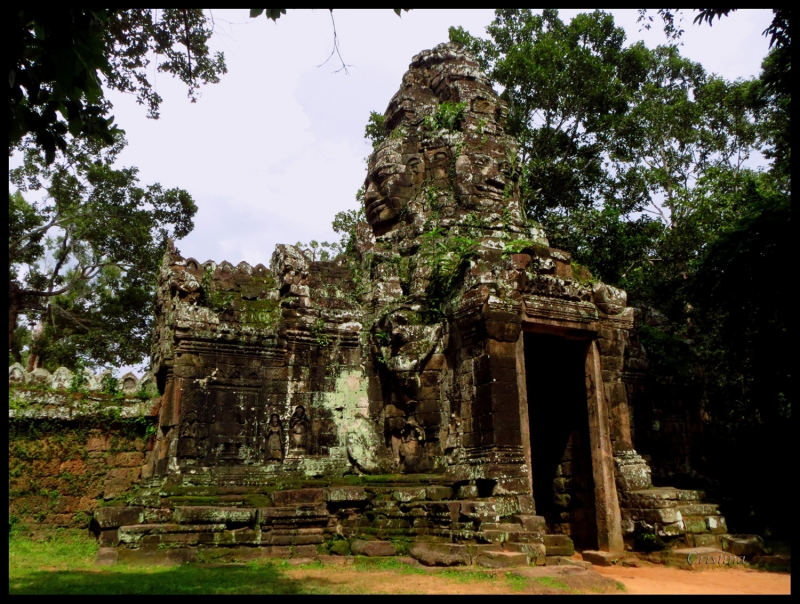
551,582
467,576
64,564
385,564
515,582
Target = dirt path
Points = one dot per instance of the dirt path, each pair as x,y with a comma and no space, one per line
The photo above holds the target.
559,580
667,580
346,581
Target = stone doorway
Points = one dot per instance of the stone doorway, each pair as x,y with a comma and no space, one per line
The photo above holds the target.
561,462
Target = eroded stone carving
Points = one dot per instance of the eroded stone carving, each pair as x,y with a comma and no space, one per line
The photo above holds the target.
274,438
404,357
299,428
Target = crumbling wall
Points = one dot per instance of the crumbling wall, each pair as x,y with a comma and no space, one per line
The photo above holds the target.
72,451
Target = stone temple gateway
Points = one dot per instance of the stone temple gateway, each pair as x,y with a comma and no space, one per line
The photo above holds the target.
454,386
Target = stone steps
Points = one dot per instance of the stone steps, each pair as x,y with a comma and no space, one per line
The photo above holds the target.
559,545
673,513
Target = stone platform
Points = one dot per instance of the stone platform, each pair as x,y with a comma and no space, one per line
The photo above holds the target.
181,524
676,516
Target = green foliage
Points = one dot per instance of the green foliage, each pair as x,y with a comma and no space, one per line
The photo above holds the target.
84,261
110,385
447,257
271,13
635,160
448,116
78,382
62,58
375,130
648,542
741,291
614,139
318,330
521,246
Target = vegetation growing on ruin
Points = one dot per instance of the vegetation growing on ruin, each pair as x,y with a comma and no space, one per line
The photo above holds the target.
638,162
63,562
446,256
522,246
448,116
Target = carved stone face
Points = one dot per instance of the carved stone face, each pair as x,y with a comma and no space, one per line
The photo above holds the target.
392,180
483,178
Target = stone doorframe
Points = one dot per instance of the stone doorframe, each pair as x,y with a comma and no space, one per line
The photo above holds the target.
609,522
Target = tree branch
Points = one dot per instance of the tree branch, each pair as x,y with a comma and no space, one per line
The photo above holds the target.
335,49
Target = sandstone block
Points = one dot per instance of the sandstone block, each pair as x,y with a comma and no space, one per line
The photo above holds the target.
295,496
536,524
694,524
743,545
106,556
716,524
340,547
114,517
214,515
337,494
360,547
602,558
438,493
485,511
441,554
536,552
526,504
406,495
108,538
567,561
558,545
502,559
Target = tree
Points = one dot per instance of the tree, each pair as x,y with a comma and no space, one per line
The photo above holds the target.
776,76
83,261
614,140
62,58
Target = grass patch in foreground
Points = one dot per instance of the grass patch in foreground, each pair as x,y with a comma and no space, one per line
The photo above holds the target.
63,563
515,582
364,564
553,583
467,576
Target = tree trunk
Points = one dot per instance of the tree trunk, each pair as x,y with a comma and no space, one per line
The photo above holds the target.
34,360
14,304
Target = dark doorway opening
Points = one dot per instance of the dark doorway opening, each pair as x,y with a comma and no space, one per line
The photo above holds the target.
561,461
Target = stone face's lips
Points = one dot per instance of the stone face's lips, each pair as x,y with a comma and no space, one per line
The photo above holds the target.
375,209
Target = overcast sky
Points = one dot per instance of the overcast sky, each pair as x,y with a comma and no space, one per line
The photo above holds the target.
276,149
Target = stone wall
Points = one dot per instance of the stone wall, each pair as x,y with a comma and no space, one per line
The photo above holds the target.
72,452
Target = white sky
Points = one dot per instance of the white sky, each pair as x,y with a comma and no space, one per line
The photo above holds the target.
276,149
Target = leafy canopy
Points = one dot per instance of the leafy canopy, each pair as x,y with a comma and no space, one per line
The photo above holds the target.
63,58
83,261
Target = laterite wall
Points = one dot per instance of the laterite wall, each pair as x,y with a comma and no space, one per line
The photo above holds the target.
70,453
